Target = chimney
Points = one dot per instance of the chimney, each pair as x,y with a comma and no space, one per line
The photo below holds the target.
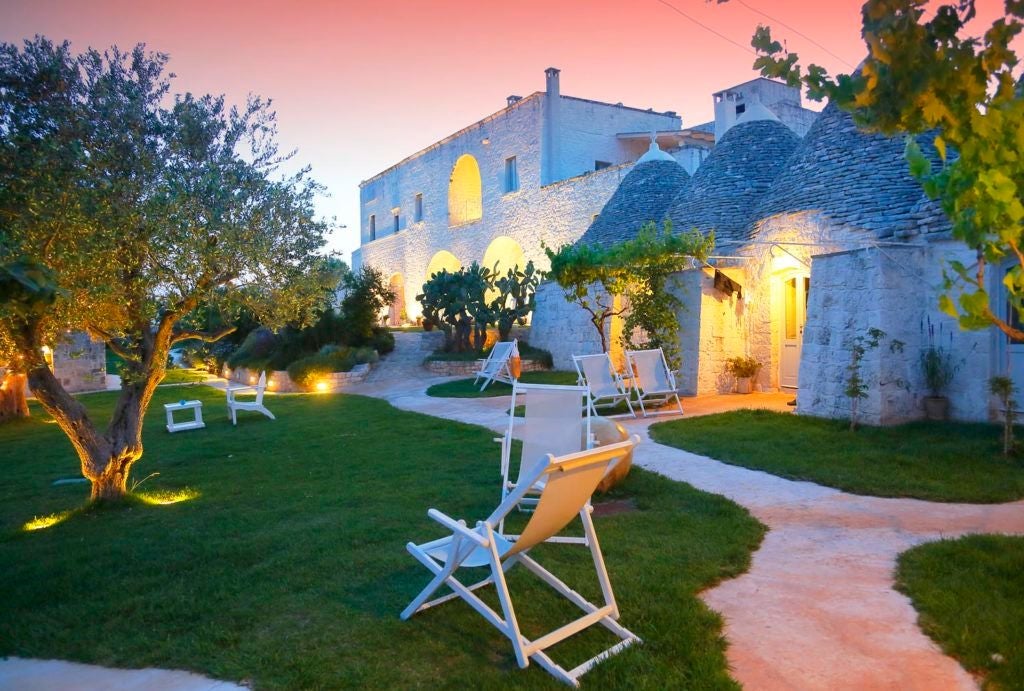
551,157
725,112
552,81
513,99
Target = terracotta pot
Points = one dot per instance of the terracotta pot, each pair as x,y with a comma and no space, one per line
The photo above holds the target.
743,385
606,432
515,366
936,408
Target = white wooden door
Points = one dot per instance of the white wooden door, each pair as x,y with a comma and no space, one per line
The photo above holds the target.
794,314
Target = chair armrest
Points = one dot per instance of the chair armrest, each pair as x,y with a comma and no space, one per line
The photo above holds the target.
458,527
236,389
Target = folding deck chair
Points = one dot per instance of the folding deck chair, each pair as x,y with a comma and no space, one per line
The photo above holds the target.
653,381
496,367
556,421
568,481
598,373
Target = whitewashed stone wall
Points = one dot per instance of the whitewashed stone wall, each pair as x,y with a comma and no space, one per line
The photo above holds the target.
711,330
896,290
80,363
562,327
552,214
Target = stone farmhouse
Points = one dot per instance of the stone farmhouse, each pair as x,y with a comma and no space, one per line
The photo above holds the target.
537,171
819,228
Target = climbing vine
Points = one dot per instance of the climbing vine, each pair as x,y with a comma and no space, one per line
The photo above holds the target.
637,270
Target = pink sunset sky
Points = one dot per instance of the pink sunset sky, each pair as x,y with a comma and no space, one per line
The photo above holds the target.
360,85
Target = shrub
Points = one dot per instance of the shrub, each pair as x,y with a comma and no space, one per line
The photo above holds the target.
367,294
306,371
366,355
383,341
258,345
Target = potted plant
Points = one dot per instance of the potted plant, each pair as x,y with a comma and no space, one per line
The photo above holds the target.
744,368
938,369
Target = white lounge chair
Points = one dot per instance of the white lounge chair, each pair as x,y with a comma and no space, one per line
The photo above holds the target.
234,405
496,367
568,481
598,373
652,381
556,421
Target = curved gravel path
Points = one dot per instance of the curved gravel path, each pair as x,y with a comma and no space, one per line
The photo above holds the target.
817,609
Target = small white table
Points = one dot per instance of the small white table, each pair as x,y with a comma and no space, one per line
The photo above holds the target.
196,423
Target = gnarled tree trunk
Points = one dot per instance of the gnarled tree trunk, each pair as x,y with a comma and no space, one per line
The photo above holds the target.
107,458
12,397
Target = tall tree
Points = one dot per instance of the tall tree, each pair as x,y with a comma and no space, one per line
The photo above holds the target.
122,211
933,76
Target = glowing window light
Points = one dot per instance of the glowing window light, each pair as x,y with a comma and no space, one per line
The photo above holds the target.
41,522
165,497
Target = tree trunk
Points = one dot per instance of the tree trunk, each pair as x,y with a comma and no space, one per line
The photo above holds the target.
112,483
13,403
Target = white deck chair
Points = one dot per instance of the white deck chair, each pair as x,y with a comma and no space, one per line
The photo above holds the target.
496,366
234,405
598,373
569,481
556,421
653,381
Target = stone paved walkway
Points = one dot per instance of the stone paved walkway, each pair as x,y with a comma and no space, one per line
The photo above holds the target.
817,609
49,675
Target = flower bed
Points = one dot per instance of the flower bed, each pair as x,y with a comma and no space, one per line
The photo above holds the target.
280,382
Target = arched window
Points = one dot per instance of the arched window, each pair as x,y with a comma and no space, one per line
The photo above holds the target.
442,260
396,310
465,204
506,253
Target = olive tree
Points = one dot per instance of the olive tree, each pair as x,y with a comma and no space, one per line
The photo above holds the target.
123,210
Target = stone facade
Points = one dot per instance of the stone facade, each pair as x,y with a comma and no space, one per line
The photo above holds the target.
80,363
569,160
468,368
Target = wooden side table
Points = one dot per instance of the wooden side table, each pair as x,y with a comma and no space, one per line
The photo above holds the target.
195,423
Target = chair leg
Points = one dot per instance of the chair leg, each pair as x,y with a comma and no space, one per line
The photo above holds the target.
680,404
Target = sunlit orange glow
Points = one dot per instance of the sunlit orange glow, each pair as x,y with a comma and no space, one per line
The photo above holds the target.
41,522
164,497
321,386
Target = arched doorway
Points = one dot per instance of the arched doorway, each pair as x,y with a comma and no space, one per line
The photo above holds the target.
443,260
506,253
396,310
465,201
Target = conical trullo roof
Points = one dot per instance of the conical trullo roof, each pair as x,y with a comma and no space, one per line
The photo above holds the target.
727,186
643,195
855,178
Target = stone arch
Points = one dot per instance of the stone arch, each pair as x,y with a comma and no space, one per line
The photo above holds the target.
506,253
442,260
396,310
465,192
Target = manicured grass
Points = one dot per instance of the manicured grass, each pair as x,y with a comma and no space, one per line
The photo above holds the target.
954,462
179,375
970,596
526,352
287,566
464,388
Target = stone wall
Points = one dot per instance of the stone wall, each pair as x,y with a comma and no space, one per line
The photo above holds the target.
280,382
562,327
896,290
80,363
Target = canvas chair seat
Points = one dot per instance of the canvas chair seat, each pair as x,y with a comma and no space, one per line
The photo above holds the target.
606,385
570,480
497,366
652,381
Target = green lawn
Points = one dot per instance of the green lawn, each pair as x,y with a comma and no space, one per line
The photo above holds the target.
286,565
174,375
954,462
464,388
970,596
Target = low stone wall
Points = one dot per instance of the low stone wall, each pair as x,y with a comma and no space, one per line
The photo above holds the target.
80,363
468,368
280,382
